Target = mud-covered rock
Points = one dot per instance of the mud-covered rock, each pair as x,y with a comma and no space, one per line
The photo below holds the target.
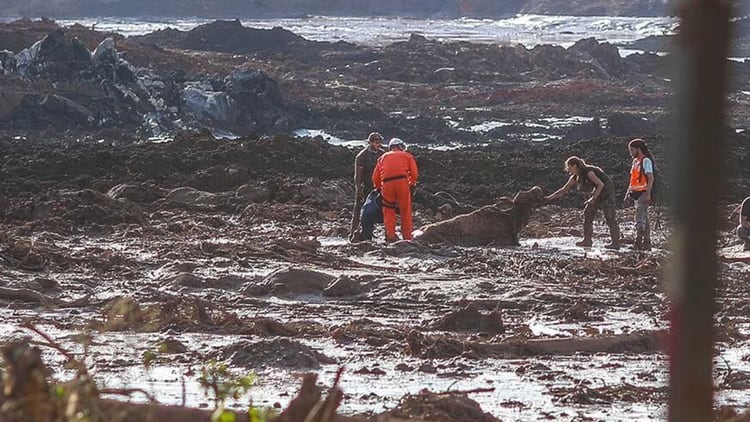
586,130
254,192
195,199
343,286
626,124
55,57
136,193
440,408
471,319
105,52
290,281
78,208
8,62
188,280
219,178
604,56
201,101
275,353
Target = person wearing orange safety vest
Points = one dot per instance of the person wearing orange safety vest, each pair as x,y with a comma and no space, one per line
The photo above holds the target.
394,175
640,189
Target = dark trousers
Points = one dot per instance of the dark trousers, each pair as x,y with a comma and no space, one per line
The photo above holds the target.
606,203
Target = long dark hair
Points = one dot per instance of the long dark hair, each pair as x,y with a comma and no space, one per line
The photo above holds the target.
583,168
640,144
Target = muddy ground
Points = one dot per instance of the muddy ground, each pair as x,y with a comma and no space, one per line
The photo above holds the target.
234,250
203,249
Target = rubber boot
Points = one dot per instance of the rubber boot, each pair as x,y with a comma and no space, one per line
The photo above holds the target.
646,246
585,243
614,232
588,230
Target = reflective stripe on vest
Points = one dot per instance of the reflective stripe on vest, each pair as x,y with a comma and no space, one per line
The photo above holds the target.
638,179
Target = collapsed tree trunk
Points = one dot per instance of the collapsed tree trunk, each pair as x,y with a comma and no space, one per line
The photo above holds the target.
437,347
497,224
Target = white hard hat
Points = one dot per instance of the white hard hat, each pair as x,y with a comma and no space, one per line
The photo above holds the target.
396,142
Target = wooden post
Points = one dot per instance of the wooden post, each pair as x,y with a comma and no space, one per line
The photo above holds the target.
702,73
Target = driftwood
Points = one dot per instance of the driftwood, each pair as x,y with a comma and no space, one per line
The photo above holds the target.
31,296
441,347
497,224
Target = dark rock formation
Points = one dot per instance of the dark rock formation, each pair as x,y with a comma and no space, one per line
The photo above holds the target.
103,90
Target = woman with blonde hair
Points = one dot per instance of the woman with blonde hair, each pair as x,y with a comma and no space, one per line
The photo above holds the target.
592,178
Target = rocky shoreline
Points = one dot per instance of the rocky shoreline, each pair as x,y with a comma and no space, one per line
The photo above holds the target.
449,9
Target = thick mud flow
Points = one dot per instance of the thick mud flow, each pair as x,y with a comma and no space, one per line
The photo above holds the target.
263,279
153,222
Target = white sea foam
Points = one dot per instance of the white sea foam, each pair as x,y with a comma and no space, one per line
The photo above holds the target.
529,30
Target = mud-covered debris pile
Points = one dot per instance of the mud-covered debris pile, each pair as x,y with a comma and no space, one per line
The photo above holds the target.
429,406
470,319
277,353
101,89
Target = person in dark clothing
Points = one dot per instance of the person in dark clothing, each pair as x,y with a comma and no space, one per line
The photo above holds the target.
364,164
372,213
602,197
743,230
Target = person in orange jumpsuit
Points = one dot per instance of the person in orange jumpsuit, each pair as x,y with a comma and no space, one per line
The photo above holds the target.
394,175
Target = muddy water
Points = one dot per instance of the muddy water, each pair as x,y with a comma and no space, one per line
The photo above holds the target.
546,288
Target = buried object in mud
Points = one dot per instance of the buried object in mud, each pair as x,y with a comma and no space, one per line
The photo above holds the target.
496,224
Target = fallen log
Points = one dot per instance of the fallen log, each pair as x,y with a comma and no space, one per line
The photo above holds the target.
28,296
441,347
492,225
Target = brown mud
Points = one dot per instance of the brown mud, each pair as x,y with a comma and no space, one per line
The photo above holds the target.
235,250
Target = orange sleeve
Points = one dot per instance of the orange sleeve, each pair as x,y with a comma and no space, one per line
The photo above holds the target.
413,172
377,181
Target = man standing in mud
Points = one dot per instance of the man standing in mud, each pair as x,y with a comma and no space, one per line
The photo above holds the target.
394,176
364,165
639,191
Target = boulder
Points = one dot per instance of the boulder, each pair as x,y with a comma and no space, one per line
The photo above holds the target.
587,130
606,56
8,62
136,193
471,320
251,86
188,280
290,281
105,52
342,286
191,198
275,353
626,124
55,57
200,100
